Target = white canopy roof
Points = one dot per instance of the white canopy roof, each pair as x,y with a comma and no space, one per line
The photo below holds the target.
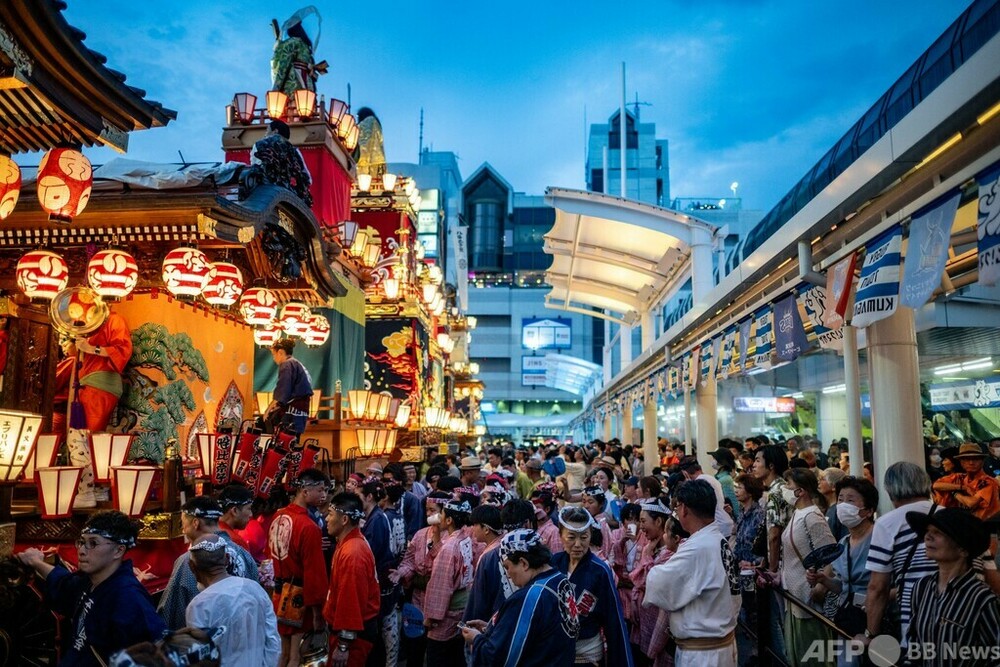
614,254
570,374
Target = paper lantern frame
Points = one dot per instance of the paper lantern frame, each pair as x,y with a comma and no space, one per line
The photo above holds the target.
57,488
107,451
44,455
18,436
131,486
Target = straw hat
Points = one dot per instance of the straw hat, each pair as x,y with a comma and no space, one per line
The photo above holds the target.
970,450
470,463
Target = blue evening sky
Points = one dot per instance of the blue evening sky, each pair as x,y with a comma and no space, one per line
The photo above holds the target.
748,91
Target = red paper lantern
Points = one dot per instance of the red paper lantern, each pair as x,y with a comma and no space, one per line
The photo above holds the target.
185,271
318,332
10,185
41,274
223,285
295,318
65,178
258,306
113,273
267,336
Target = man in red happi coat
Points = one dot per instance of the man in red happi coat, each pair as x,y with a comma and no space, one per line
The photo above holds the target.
352,605
300,582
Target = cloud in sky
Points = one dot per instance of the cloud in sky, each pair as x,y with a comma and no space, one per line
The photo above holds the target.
751,91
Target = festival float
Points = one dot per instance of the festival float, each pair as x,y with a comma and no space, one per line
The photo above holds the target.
136,297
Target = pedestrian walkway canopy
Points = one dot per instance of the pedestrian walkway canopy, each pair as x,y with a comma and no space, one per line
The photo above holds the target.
620,256
570,374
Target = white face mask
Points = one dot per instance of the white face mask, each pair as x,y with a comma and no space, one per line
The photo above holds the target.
715,464
935,458
789,495
434,519
849,514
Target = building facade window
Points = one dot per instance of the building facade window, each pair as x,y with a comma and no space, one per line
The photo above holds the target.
486,236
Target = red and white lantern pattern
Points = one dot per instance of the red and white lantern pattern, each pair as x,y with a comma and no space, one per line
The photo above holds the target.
223,285
267,336
258,306
42,274
295,318
10,185
65,178
319,331
185,271
113,273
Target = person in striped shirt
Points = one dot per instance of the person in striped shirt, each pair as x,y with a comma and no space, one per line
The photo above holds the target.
896,557
956,617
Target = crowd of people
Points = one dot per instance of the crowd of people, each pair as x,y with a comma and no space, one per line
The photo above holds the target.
556,555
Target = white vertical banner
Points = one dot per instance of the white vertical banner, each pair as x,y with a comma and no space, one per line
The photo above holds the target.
459,237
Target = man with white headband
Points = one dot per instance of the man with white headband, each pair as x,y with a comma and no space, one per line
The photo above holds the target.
199,517
597,603
107,607
537,625
487,591
352,604
239,605
699,585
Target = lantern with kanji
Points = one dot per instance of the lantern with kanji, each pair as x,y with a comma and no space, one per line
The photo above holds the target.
185,271
267,336
258,306
295,318
223,285
113,273
65,178
10,185
318,332
41,274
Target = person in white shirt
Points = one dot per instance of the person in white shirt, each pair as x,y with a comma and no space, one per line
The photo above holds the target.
239,605
699,585
692,470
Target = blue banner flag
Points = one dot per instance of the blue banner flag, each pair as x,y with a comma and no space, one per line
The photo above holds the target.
989,225
927,252
877,295
789,336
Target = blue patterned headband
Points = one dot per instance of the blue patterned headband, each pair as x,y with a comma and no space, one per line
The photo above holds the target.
655,507
518,541
128,542
463,507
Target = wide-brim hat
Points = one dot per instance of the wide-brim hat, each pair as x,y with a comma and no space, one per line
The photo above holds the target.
970,450
607,461
969,532
470,463
723,455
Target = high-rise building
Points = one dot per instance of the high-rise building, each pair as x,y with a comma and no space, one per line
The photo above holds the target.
647,163
440,183
518,343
